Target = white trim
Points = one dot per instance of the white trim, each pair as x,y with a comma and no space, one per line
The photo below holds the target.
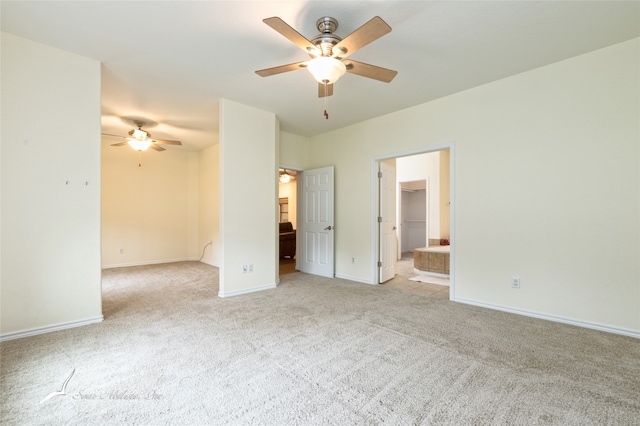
294,168
375,240
209,263
533,314
50,328
247,291
299,206
452,219
358,280
415,151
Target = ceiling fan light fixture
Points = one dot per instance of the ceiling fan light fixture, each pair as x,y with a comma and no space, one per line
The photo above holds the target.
326,69
285,177
139,145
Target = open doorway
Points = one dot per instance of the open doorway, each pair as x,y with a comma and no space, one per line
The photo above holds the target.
423,210
287,218
412,208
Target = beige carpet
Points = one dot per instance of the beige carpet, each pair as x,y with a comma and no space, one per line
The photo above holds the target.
313,351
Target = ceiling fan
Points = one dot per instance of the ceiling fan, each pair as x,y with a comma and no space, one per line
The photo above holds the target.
140,139
286,177
328,52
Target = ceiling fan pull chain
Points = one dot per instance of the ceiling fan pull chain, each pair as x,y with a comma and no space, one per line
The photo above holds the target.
326,101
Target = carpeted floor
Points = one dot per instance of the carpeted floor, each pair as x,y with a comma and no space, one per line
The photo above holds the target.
312,351
287,266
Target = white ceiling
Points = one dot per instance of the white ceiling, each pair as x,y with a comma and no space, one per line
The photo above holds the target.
170,62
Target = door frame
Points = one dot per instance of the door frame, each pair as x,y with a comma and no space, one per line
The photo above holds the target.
375,202
299,172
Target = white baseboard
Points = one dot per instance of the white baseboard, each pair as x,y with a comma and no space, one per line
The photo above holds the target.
247,291
158,262
50,328
149,262
358,280
585,324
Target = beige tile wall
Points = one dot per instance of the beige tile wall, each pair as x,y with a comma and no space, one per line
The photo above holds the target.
431,261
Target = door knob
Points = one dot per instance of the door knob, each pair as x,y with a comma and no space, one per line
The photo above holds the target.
328,228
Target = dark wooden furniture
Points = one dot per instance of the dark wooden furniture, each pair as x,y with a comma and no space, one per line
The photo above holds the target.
287,240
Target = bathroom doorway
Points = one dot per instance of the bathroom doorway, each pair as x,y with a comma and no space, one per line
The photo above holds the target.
423,214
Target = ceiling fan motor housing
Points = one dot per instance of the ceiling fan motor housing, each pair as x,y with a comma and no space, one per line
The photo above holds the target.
326,39
139,133
327,24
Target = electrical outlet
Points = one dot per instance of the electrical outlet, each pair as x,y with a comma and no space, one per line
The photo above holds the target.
515,282
121,251
244,269
353,260
251,268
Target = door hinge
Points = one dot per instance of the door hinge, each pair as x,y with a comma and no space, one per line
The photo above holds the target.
379,175
379,219
379,264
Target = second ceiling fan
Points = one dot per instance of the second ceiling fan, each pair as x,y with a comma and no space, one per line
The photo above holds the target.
140,139
328,52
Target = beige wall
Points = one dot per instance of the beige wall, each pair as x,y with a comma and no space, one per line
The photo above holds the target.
149,212
294,151
50,177
248,198
552,220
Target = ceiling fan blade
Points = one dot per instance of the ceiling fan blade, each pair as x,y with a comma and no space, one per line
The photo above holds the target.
370,71
157,147
371,31
166,142
282,68
321,90
119,144
115,136
286,30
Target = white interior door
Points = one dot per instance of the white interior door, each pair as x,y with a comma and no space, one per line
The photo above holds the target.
317,223
387,221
